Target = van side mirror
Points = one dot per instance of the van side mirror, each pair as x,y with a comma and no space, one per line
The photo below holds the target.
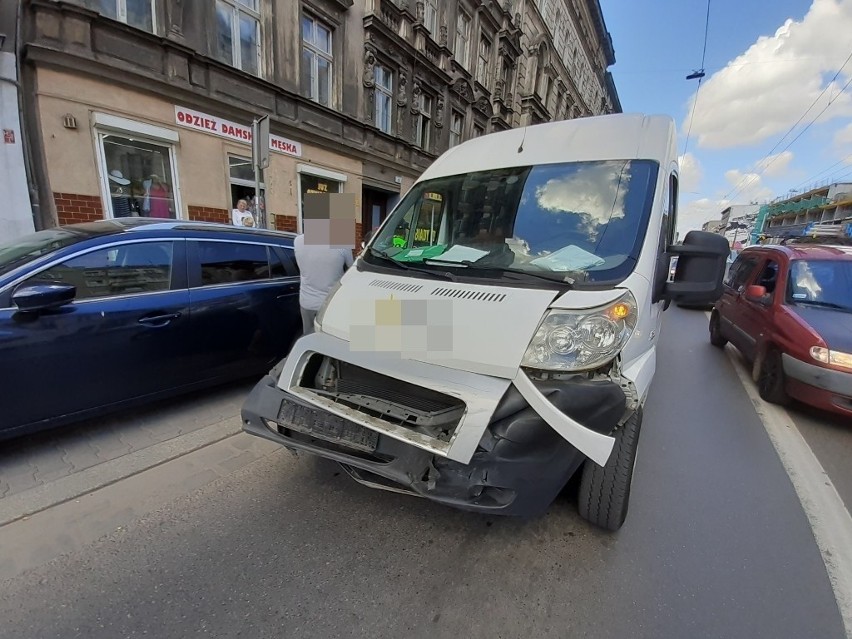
366,239
700,269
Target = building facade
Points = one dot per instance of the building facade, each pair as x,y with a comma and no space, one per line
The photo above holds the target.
830,204
145,107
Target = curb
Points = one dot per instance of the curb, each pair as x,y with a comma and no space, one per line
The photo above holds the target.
42,497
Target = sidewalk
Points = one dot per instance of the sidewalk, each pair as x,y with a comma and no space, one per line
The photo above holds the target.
41,470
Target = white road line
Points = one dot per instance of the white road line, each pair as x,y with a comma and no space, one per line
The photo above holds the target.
825,510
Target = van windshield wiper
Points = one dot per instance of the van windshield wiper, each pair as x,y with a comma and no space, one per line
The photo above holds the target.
384,257
563,281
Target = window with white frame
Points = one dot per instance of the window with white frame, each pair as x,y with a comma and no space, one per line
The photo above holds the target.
463,39
484,61
424,121
317,60
238,34
384,98
430,16
456,127
140,14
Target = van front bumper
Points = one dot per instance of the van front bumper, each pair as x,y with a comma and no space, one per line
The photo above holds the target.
518,467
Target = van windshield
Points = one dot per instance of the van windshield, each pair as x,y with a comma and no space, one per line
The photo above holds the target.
585,220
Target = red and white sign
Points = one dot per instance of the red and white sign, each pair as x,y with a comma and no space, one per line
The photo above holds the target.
231,130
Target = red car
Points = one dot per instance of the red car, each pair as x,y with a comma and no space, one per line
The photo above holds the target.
788,309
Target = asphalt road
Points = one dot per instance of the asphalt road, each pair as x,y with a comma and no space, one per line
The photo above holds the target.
716,545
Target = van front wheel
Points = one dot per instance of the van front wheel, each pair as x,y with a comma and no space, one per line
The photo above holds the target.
605,491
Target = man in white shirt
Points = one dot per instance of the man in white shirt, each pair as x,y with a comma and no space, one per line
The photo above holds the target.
321,254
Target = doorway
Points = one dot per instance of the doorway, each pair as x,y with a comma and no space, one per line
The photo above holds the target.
375,206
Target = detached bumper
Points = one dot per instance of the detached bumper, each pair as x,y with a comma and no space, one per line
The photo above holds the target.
518,467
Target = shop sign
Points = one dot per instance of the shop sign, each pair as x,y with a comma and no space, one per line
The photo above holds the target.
231,130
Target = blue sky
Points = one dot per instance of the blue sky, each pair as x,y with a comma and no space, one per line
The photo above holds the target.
766,64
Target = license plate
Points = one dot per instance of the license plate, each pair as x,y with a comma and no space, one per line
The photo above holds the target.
323,425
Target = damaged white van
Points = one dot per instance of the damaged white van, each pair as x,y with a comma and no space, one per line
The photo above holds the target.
498,333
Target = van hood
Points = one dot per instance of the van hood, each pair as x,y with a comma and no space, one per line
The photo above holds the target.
481,329
833,326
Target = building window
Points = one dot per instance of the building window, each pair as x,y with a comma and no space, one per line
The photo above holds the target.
456,127
317,61
478,131
140,14
238,34
383,98
463,39
241,174
430,16
139,177
424,121
484,61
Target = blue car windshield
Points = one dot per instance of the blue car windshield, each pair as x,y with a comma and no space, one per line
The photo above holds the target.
586,220
30,247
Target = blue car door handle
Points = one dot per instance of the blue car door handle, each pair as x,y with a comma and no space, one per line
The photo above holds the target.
158,320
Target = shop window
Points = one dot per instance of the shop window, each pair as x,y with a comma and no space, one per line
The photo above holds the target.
226,262
139,267
384,98
238,34
484,61
139,175
317,61
462,52
456,127
317,184
140,14
424,121
242,183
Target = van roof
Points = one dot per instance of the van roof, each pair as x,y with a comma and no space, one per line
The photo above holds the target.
622,136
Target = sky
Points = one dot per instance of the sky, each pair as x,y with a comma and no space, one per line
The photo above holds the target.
774,111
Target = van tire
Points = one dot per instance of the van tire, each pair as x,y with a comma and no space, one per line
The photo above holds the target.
771,380
605,491
716,337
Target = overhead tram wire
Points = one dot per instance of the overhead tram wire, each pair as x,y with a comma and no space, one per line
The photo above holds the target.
739,187
826,170
700,76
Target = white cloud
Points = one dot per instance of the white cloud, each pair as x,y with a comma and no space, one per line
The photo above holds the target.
775,165
690,173
764,91
843,137
748,187
693,215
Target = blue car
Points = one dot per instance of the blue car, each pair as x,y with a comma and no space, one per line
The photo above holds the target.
105,315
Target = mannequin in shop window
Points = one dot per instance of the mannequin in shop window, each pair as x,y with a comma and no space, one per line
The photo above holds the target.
120,194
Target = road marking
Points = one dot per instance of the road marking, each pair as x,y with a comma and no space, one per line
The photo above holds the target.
830,521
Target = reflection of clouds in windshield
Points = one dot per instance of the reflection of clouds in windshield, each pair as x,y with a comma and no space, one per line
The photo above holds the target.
596,192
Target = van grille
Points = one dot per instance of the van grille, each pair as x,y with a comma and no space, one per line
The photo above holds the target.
396,286
465,294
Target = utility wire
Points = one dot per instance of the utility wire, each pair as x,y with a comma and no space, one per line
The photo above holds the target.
740,186
738,189
816,175
700,76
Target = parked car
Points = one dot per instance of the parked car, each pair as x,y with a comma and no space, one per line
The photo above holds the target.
98,316
788,309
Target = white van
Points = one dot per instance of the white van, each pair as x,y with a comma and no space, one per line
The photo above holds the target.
498,333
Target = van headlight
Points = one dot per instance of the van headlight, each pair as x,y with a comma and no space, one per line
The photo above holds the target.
578,340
